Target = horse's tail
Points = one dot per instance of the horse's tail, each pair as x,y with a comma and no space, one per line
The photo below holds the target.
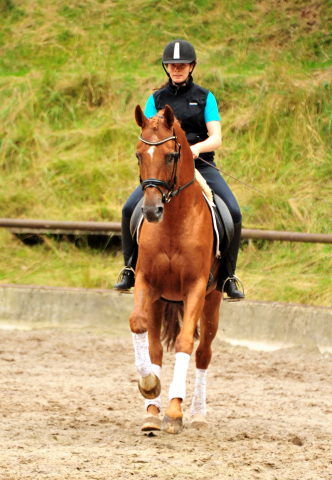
172,321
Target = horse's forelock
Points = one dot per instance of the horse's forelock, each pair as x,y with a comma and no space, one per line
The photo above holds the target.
176,121
155,121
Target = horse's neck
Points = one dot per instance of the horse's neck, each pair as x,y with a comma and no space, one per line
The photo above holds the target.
188,203
186,167
187,197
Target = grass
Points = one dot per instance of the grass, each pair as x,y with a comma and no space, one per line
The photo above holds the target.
70,78
57,264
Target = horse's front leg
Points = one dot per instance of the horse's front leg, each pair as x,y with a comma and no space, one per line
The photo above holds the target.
153,406
145,316
208,330
193,305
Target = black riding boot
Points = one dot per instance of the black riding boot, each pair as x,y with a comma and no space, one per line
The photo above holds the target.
127,281
228,267
130,257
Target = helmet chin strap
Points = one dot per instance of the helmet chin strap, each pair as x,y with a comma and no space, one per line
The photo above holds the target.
166,71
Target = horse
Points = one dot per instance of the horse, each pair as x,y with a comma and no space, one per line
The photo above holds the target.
176,271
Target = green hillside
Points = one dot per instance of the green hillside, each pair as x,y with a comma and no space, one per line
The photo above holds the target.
71,74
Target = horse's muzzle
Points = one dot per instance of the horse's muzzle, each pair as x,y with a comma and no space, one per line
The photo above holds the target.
153,214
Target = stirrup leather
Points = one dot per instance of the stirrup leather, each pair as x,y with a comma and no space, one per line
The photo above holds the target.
230,299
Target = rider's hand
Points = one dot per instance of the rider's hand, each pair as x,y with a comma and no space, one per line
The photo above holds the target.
195,150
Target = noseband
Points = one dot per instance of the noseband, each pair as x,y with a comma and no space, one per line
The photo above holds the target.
155,182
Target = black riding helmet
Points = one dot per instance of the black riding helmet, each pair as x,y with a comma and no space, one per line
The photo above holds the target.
179,51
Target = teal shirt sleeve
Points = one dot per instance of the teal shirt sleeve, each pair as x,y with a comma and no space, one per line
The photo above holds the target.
150,107
211,109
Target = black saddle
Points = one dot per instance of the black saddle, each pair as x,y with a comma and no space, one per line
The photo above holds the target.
136,218
224,222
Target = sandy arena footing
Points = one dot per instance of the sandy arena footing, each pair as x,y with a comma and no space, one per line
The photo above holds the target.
70,407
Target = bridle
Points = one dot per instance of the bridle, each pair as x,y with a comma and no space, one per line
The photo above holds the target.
155,182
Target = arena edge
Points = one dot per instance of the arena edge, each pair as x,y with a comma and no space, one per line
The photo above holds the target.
268,325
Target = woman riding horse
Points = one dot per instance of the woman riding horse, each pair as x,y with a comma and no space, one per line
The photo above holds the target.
196,109
176,272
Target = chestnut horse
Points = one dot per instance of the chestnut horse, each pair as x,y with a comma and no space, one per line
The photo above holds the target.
175,257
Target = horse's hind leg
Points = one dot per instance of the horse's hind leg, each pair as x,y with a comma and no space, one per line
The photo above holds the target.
208,330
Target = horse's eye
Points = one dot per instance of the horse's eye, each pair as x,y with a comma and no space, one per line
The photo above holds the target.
169,157
138,156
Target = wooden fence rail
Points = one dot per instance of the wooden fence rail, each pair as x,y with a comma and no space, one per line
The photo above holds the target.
114,228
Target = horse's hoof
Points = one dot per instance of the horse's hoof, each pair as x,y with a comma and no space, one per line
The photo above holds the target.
198,422
152,382
172,425
151,422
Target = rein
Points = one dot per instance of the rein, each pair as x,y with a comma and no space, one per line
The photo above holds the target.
155,182
234,178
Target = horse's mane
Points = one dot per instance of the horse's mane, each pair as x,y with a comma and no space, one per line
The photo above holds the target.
201,180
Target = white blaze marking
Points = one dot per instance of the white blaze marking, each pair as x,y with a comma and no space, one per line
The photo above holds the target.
151,150
176,54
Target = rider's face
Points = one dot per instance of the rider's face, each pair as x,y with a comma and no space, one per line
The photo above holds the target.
179,72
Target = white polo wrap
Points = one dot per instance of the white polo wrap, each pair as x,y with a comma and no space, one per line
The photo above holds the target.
178,386
142,355
198,404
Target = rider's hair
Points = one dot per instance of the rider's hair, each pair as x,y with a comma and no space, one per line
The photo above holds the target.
162,86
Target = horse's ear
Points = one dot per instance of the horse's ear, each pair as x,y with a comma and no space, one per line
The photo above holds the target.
140,118
168,117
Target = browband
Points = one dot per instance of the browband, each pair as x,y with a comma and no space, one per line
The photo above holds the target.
157,143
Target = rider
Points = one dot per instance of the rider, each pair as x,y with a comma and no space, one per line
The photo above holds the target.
196,109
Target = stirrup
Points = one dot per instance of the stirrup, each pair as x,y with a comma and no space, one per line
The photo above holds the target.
230,299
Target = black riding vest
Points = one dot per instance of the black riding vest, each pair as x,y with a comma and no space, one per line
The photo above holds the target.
188,104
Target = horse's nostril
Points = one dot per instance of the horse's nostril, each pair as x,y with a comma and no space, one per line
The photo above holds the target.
153,213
